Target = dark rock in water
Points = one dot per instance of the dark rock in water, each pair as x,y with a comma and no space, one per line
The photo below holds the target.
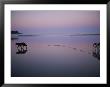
21,52
81,50
57,45
96,50
89,53
21,48
74,48
54,45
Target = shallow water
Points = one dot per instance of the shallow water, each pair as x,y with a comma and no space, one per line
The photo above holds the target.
45,56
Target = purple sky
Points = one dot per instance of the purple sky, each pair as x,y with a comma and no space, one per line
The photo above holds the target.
57,21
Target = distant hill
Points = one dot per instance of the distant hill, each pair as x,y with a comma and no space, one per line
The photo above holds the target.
15,32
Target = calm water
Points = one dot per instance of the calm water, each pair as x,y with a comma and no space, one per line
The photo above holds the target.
51,55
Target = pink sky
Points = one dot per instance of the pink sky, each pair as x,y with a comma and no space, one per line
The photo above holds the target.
45,19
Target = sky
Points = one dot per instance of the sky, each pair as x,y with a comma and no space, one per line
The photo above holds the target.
56,21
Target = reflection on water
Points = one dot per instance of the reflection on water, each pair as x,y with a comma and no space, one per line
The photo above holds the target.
56,56
14,38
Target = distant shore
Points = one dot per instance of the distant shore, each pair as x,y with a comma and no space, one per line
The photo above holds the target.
52,35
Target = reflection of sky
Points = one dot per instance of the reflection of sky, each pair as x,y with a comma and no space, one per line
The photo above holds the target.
56,22
44,60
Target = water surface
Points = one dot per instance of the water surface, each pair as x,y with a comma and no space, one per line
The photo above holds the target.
55,56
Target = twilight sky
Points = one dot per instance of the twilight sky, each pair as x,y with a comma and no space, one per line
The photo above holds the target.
56,21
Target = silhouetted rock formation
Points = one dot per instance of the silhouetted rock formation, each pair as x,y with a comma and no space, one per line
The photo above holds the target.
15,32
21,51
21,47
96,50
